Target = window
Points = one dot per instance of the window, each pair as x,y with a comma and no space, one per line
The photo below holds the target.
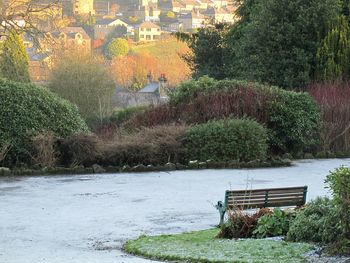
148,37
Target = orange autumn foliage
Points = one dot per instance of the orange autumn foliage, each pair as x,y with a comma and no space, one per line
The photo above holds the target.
163,57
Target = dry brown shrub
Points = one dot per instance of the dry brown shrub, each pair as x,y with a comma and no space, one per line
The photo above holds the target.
44,152
156,145
334,102
4,149
80,149
241,224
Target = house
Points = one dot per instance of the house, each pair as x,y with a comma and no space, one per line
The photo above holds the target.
174,27
204,4
174,6
154,13
147,11
39,67
106,8
220,3
153,93
147,31
192,20
190,5
219,15
83,7
106,26
68,38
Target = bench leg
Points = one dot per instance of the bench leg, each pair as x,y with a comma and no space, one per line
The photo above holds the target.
222,210
222,216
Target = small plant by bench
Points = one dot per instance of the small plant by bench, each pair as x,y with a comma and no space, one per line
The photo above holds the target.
260,198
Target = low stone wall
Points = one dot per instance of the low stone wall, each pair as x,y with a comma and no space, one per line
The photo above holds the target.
192,165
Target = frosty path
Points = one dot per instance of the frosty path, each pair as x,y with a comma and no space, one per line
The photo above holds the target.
87,218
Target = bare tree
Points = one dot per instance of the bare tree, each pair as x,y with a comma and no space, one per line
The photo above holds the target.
29,16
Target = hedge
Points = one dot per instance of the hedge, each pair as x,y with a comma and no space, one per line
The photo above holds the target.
225,140
292,118
26,110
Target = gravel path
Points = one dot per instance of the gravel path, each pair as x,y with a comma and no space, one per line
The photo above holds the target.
87,218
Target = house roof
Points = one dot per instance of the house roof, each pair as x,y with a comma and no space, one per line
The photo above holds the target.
35,55
120,89
150,88
213,11
148,25
107,21
71,32
193,15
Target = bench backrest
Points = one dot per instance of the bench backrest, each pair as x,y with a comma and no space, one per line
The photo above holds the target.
259,198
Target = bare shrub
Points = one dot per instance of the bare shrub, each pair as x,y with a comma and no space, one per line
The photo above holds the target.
238,102
157,145
80,149
334,102
241,224
44,152
4,149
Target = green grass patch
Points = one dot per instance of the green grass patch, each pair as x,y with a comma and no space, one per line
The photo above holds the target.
160,49
203,246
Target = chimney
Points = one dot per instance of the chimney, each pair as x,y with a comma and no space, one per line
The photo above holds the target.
149,77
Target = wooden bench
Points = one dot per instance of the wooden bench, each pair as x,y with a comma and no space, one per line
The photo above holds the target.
260,198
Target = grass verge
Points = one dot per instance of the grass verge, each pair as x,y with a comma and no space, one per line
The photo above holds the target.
202,246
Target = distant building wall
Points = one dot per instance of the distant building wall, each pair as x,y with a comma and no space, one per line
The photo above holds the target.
132,99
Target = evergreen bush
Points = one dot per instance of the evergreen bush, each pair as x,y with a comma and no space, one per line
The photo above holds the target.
26,110
225,140
318,222
294,121
120,116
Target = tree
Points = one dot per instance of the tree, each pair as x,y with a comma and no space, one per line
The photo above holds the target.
130,71
277,43
14,59
28,16
117,47
168,16
86,83
333,55
208,50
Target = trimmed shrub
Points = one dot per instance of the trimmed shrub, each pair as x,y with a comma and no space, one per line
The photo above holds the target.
26,110
292,118
158,145
318,222
225,140
79,149
293,122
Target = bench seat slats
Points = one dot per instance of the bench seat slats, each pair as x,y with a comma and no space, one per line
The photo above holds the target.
284,189
260,205
276,201
250,197
263,200
253,192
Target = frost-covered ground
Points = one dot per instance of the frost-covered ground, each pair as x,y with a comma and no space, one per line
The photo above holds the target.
87,218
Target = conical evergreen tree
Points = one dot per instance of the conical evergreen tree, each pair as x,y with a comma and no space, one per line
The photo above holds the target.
333,55
14,59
